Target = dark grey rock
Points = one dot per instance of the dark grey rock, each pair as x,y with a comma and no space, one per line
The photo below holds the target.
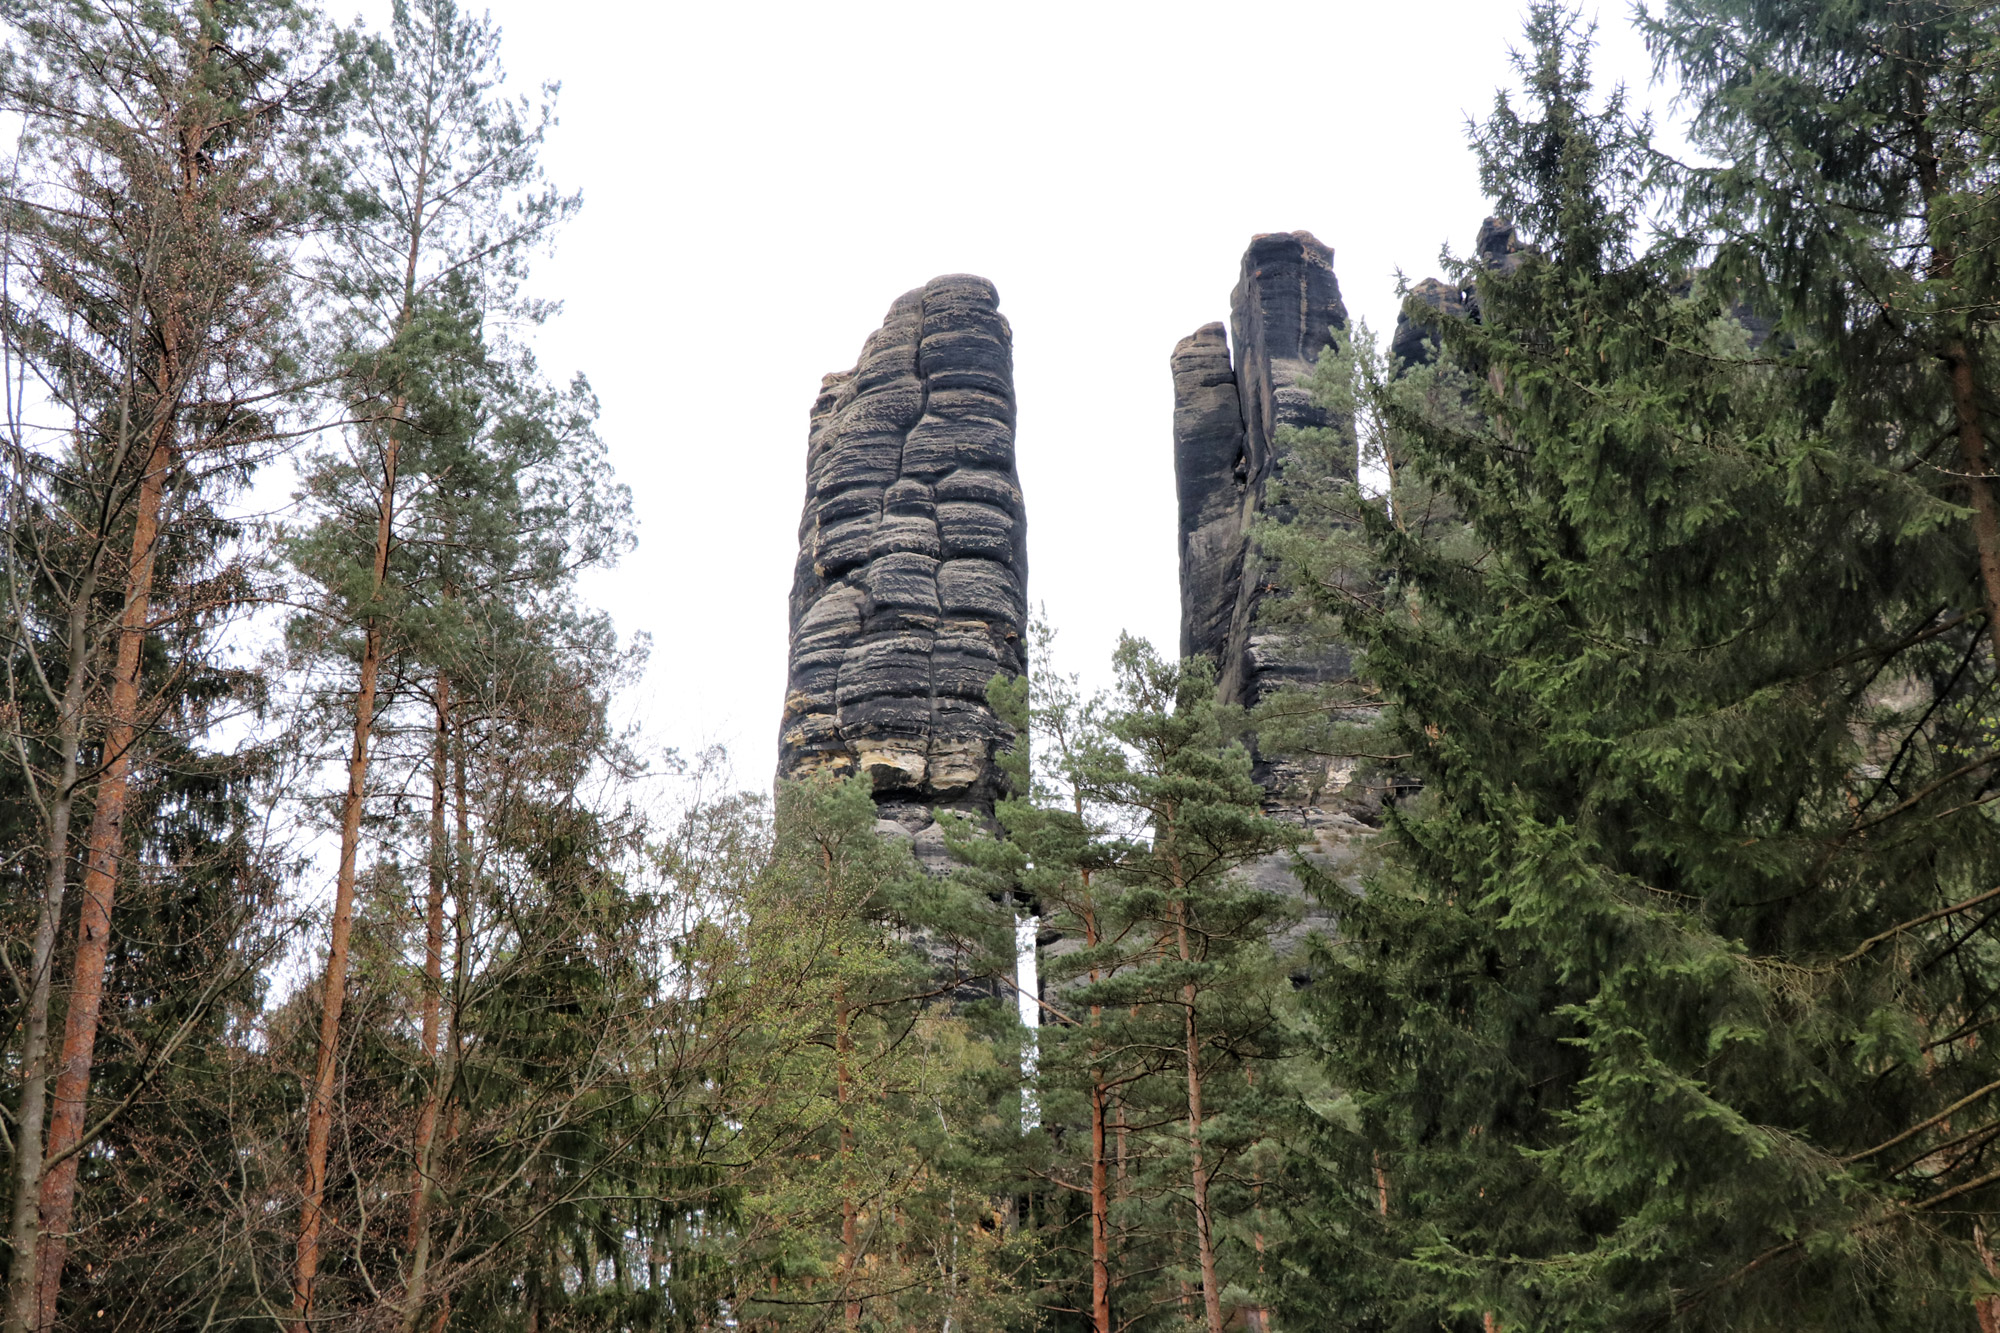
1211,473
1496,249
1228,412
910,592
1415,342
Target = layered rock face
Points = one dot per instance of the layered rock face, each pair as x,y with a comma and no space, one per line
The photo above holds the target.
910,589
1227,412
1497,249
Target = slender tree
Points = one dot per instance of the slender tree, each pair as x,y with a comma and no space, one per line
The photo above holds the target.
1055,855
873,1201
146,237
442,191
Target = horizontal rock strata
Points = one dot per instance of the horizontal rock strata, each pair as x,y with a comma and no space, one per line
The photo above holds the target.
1228,411
1232,399
909,594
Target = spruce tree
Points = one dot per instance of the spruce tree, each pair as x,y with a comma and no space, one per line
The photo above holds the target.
1664,1003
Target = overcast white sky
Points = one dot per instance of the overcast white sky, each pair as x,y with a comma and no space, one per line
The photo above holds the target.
761,180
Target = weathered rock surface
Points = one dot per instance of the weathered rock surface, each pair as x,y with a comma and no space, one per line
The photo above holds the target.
1415,340
1497,249
910,590
1227,414
1228,411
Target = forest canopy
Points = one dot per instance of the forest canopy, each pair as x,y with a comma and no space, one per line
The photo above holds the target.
359,969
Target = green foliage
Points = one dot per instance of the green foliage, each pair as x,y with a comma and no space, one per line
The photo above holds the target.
1166,1011
1663,1004
864,1103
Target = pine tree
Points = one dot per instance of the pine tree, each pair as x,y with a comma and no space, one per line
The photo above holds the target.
1166,998
867,1098
1209,988
440,204
1052,858
147,304
1663,1004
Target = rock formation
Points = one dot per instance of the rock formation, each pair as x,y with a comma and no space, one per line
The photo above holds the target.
910,589
1227,412
1496,249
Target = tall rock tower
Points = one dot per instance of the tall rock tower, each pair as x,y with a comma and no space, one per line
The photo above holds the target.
910,592
1232,395
1227,411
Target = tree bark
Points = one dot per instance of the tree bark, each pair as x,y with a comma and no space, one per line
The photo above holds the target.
319,1105
1986,1309
105,847
419,1240
843,1045
1204,1231
1100,1165
1100,1214
1972,453
24,1230
1959,369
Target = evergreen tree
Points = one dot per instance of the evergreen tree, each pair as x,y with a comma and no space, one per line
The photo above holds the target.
865,1099
1209,988
1663,1004
439,203
1166,999
147,311
1051,858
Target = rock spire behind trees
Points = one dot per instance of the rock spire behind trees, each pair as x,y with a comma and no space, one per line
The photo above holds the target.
1227,414
910,592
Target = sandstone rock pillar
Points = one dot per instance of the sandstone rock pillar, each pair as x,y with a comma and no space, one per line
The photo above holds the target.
910,591
1227,414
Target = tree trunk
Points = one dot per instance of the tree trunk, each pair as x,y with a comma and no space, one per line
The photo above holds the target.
843,1045
23,1230
1986,1309
452,1044
1100,1215
1204,1232
1960,370
105,845
1100,1166
319,1105
1972,453
419,1234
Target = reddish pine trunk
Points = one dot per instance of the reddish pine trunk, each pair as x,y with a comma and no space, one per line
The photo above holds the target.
1972,452
1964,384
1986,1309
319,1105
1204,1231
100,882
1100,1183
